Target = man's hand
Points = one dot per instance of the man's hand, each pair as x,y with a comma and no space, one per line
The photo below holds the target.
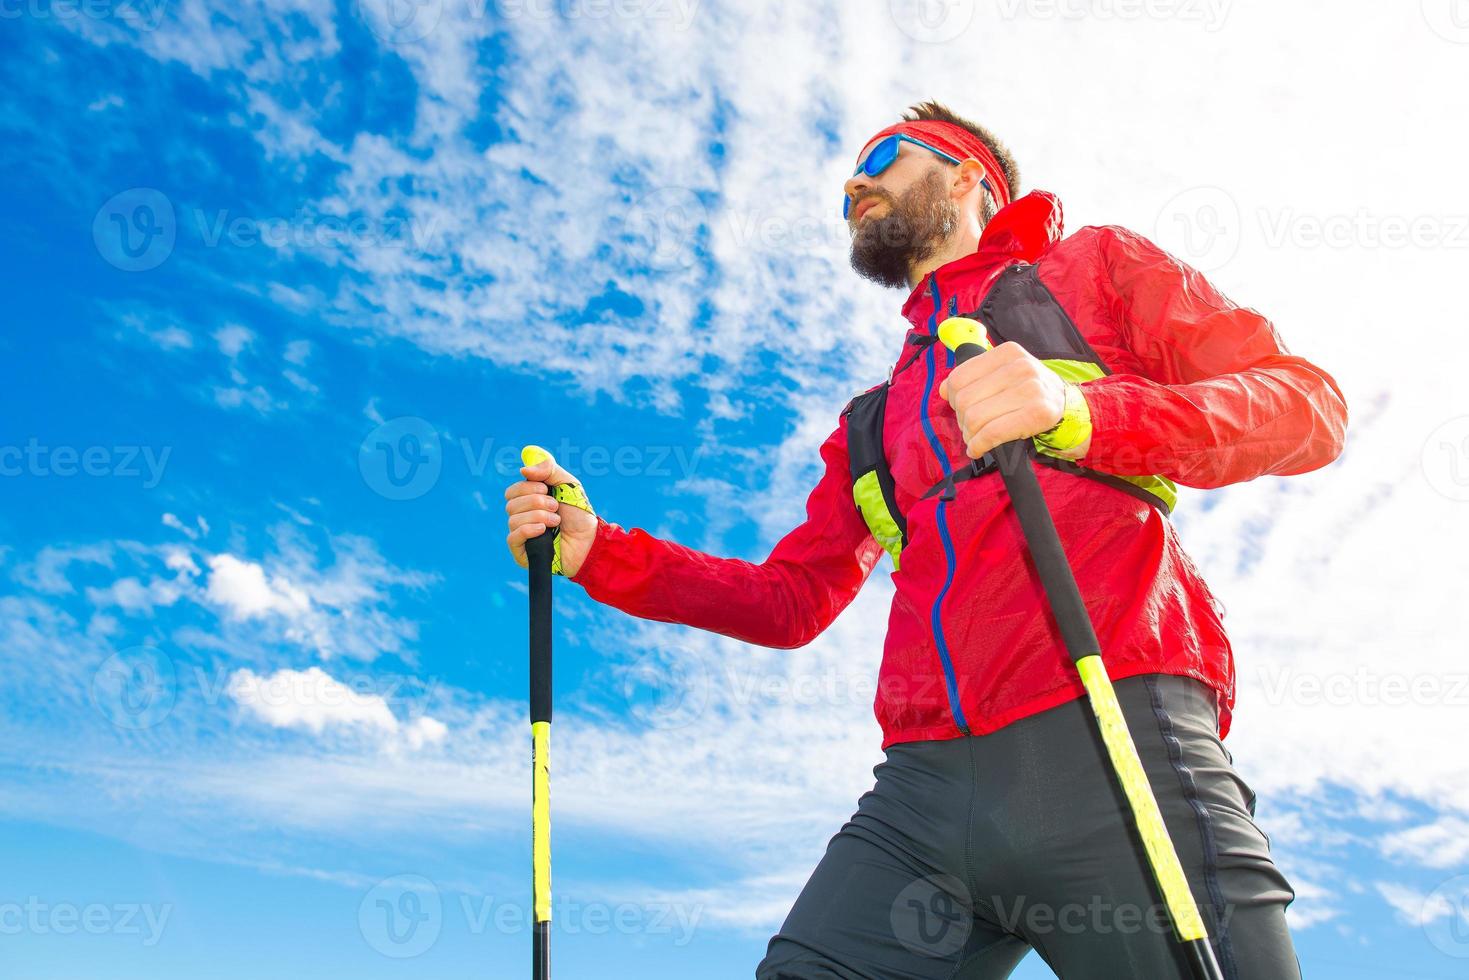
1005,394
532,509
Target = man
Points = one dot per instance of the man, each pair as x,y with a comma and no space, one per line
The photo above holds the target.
995,825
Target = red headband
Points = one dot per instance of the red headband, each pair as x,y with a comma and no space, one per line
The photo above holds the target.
958,142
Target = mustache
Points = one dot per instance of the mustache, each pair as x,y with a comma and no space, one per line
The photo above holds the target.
880,195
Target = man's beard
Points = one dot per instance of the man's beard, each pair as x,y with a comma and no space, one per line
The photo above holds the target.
915,227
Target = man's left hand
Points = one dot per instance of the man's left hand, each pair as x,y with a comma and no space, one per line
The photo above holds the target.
1005,394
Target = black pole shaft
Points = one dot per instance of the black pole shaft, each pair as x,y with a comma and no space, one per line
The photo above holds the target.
1057,578
538,554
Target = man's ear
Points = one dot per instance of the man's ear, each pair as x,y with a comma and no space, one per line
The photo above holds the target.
971,173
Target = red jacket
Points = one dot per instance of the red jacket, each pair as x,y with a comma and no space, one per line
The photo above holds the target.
1200,391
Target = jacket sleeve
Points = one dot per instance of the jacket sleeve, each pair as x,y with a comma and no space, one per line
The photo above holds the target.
811,575
1220,399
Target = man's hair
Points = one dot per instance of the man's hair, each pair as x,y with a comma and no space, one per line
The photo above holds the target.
932,110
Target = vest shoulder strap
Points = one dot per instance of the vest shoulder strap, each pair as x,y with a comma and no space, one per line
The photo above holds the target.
873,490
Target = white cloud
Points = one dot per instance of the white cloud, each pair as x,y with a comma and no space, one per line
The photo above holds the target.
133,596
245,591
1441,844
171,520
1414,907
297,352
233,338
172,337
253,396
311,700
48,573
425,731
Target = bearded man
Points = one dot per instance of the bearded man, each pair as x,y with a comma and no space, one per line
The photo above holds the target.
995,825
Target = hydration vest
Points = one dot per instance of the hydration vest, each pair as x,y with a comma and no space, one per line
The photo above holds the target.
1017,308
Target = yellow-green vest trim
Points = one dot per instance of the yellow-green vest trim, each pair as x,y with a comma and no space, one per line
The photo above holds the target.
1017,308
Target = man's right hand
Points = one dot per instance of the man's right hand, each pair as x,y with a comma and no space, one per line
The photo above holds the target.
532,509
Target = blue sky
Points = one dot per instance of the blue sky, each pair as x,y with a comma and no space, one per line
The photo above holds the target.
261,678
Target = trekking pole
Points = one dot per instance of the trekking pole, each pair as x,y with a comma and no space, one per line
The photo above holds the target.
967,338
538,552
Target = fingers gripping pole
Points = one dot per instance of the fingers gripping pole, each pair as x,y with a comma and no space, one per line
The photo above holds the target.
568,493
968,338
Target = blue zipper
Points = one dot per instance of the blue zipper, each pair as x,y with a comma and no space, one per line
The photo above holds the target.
950,682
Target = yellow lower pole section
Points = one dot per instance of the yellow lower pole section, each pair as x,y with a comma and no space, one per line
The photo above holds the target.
1161,855
540,834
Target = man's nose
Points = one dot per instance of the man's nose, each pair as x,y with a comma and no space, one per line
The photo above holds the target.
857,185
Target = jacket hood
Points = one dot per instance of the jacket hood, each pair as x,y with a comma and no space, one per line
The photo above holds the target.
1022,231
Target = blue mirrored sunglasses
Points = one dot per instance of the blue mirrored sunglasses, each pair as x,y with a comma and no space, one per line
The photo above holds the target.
882,156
